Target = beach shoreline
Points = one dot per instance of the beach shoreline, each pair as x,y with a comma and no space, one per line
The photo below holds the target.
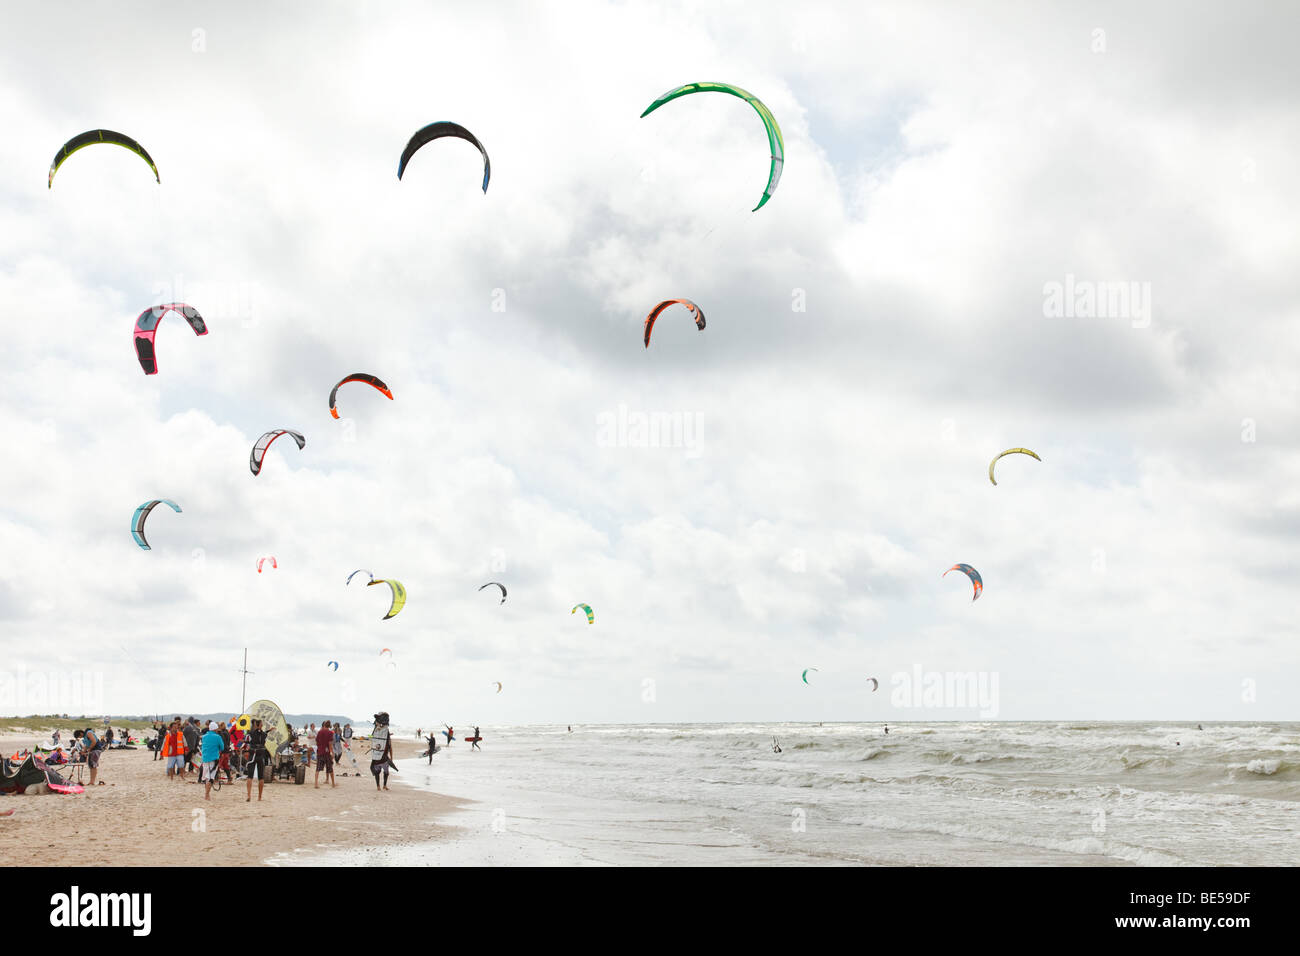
1100,794
103,826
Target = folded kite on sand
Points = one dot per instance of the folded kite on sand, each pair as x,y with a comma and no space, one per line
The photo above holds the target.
32,775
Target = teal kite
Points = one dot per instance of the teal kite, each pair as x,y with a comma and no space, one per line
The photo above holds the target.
142,513
591,617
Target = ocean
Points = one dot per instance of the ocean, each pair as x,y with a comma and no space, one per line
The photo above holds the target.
927,794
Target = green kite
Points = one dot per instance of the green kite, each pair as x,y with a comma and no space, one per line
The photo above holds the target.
769,121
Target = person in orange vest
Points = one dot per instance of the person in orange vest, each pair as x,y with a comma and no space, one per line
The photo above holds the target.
174,751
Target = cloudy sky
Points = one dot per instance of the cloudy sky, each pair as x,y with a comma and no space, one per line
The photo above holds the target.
916,297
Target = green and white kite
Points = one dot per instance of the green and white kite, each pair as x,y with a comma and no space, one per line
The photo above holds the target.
769,121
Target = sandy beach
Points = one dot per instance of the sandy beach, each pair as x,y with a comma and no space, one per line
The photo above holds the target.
141,818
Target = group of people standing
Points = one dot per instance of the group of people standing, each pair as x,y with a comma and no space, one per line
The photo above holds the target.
182,741
328,750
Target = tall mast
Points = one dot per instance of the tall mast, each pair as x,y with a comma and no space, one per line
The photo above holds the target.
244,687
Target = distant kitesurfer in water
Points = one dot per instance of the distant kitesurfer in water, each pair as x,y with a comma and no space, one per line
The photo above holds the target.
886,728
570,728
449,733
776,746
1199,727
474,743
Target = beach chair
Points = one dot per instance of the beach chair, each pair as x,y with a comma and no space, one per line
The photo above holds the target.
72,771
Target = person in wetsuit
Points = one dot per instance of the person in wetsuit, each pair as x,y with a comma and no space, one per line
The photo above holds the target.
381,749
258,758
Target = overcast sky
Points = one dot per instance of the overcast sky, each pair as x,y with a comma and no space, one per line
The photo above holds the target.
876,334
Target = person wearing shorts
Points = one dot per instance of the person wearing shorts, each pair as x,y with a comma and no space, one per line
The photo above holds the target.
91,742
258,758
325,754
210,746
173,750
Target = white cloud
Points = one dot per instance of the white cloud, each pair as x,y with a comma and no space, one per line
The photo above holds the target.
941,168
